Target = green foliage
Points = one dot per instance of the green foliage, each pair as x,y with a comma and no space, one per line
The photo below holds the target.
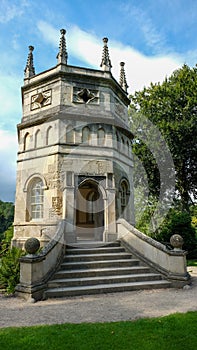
6,241
9,263
179,223
10,269
144,218
176,331
192,263
193,212
6,216
172,107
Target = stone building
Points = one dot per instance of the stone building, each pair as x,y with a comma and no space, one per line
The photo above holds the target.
74,152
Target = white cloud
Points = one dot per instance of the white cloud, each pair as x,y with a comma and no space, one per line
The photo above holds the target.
85,46
140,70
152,36
9,10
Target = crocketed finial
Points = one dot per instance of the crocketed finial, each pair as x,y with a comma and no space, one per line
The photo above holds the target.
106,62
29,69
62,55
123,82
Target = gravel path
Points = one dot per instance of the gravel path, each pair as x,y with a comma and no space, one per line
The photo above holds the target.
15,312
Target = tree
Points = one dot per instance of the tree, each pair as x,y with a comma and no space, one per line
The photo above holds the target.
177,222
172,107
6,240
6,216
10,269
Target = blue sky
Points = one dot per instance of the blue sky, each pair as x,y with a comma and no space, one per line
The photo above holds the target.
153,37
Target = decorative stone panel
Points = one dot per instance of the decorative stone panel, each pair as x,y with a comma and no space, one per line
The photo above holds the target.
84,95
57,205
120,110
41,99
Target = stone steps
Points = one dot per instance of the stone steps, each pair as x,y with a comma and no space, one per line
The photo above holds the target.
100,263
96,257
94,250
102,269
104,288
109,271
86,281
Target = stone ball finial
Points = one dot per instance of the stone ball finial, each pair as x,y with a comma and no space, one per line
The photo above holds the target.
63,31
31,48
176,241
32,245
105,40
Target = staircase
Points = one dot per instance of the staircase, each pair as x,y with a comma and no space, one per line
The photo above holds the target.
101,269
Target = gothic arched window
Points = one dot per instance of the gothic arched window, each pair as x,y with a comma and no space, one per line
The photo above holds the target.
101,136
26,141
123,144
85,134
117,140
49,136
38,139
128,148
36,197
123,194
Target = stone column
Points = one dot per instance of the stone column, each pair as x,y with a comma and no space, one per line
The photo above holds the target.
110,210
130,206
69,207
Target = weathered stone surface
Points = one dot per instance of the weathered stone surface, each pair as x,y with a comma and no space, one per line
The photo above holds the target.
32,245
73,133
176,241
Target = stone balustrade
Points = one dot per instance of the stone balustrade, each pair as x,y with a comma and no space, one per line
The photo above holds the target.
36,269
171,263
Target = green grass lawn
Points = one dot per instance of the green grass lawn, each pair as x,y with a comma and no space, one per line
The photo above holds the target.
174,332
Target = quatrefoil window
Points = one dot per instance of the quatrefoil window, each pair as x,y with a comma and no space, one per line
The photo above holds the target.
86,95
41,99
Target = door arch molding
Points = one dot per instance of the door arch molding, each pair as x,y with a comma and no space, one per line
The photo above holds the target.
90,209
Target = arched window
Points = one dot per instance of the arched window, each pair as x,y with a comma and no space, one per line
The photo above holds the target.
49,136
123,194
26,142
123,144
36,194
117,140
101,136
69,134
38,139
128,148
85,134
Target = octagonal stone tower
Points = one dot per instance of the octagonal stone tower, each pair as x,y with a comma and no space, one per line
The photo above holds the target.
74,156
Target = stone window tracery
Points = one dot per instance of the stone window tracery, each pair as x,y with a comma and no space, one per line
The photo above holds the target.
124,192
41,99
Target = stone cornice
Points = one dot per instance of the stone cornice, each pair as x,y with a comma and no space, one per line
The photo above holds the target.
78,74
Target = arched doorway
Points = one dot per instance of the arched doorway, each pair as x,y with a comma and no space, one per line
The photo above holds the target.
89,211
